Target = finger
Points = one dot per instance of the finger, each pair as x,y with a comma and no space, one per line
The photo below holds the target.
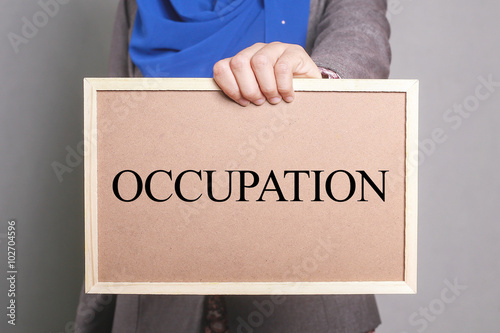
263,67
294,62
244,75
283,71
302,64
226,81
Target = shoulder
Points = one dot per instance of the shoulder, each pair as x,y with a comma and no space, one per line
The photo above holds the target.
120,64
128,10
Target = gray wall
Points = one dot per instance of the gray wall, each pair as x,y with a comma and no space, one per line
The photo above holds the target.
452,46
41,113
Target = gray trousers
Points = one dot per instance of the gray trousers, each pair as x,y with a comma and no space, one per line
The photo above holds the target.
246,314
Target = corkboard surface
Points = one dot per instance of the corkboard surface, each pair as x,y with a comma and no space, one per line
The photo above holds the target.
205,241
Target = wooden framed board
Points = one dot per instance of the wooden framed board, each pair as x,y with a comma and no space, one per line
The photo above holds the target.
187,192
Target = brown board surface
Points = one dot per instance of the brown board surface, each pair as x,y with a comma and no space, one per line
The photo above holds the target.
285,232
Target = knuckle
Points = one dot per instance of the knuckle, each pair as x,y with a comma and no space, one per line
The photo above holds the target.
297,48
259,61
238,62
219,69
282,68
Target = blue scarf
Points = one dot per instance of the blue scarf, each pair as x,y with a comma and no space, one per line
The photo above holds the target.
185,38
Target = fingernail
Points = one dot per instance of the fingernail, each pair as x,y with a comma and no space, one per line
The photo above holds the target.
275,100
260,101
244,102
288,99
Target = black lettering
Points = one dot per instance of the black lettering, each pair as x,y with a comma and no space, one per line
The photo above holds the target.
178,185
328,186
317,183
242,182
276,188
139,185
296,188
210,185
377,190
148,185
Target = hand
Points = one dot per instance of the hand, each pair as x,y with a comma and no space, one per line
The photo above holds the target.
264,71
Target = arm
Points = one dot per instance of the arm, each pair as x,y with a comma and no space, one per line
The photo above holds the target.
352,39
119,60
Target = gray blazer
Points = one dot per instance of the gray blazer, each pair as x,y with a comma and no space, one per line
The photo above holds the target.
349,37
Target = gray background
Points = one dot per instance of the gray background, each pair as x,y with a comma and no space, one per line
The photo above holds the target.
449,45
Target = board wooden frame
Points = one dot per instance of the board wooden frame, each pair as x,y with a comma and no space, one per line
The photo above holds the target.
409,286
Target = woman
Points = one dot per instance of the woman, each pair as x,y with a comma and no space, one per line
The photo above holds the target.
253,49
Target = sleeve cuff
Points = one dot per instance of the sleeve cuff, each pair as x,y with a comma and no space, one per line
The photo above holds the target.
328,74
